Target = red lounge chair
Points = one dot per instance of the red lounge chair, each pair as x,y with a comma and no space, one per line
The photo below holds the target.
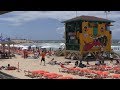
40,74
66,77
47,75
63,68
105,74
92,74
33,74
71,70
81,72
88,73
54,76
116,69
76,71
98,74
102,74
29,73
115,76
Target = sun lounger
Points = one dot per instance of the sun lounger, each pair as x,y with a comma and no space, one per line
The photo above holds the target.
28,73
51,75
40,75
115,76
66,77
63,68
33,74
54,76
76,71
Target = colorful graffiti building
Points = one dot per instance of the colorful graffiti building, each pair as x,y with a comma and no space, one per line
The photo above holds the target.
87,34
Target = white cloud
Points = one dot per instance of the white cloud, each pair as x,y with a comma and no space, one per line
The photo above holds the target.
17,18
26,16
60,30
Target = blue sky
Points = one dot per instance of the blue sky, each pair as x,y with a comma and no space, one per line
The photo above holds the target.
46,25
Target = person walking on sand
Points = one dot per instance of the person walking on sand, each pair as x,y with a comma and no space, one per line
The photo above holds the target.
111,58
43,54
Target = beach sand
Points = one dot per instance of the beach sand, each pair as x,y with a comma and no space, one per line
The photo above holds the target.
34,64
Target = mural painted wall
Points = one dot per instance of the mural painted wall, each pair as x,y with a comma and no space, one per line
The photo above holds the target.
95,37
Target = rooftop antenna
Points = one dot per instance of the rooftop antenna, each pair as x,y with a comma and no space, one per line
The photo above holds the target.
76,13
106,12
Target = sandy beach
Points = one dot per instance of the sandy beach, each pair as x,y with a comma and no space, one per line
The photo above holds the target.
34,64
85,37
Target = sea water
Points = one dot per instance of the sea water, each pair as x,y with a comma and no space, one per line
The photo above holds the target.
54,46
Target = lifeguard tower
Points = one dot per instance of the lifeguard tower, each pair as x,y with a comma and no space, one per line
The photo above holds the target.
87,34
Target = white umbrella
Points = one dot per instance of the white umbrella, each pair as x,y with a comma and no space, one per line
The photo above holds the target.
25,48
18,45
11,45
33,46
62,44
6,45
46,47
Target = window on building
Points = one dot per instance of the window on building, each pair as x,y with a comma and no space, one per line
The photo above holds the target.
107,27
92,24
89,25
78,26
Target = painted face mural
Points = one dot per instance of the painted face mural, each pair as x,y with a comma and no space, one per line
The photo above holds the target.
86,33
94,37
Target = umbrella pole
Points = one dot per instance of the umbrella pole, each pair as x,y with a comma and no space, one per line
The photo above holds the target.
3,46
18,67
9,50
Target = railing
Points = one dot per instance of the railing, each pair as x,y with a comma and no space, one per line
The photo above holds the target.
72,47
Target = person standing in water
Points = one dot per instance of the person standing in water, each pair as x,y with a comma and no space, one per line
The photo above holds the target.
43,54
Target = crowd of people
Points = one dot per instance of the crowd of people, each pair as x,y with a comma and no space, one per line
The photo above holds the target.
99,58
5,55
37,53
34,53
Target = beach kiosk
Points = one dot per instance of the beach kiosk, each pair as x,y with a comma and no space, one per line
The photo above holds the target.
87,34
